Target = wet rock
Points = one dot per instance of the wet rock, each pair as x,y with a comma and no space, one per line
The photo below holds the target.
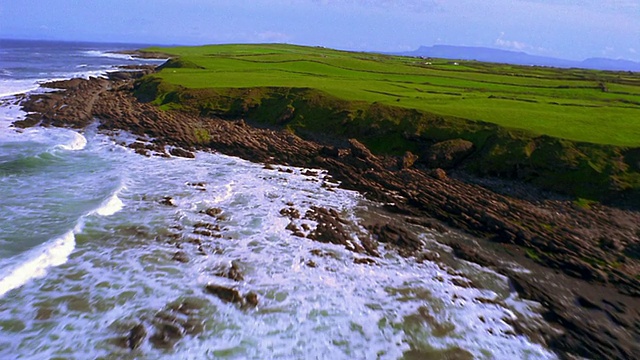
427,255
188,306
427,223
295,230
166,336
472,254
224,293
486,301
203,232
44,313
290,212
391,234
136,336
364,261
320,253
180,152
168,201
181,256
208,226
193,326
250,300
213,212
233,272
463,283
199,184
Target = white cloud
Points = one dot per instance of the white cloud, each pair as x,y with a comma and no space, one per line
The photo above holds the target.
512,44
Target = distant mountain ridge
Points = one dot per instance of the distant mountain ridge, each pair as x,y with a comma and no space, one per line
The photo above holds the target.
519,58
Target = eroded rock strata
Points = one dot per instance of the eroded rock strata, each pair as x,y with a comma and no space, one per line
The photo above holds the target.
585,260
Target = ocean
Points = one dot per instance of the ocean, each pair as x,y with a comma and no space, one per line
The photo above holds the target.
89,244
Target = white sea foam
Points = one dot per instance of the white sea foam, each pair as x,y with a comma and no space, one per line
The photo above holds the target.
15,87
36,262
110,206
78,142
109,55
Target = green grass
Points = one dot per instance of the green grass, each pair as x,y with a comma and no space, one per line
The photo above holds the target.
568,104
567,130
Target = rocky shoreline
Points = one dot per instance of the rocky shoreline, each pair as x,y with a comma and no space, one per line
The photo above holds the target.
584,258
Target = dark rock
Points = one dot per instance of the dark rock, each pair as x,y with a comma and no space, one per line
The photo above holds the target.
291,213
438,174
224,293
136,336
365,261
44,313
213,212
427,223
448,154
391,234
463,283
407,160
181,256
330,229
359,150
233,272
329,151
251,299
427,256
143,152
168,201
208,226
180,152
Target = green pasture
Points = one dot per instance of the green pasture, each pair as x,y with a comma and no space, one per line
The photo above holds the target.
581,105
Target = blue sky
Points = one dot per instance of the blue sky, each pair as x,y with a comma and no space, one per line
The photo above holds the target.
569,29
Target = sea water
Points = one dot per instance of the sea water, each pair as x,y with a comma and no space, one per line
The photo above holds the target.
88,237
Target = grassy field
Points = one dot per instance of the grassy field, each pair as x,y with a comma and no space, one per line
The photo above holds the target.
581,105
568,130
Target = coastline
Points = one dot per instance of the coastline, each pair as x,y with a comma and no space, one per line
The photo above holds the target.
561,243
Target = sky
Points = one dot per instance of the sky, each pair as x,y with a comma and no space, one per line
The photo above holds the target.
569,29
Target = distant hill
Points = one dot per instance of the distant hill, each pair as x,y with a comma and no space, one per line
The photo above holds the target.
518,58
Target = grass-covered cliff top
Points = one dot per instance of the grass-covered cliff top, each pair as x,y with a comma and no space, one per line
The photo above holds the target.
582,105
568,130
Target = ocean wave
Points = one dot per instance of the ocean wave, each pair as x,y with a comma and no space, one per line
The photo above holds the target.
110,206
36,262
98,53
78,142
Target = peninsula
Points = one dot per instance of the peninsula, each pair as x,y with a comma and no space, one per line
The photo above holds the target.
541,164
